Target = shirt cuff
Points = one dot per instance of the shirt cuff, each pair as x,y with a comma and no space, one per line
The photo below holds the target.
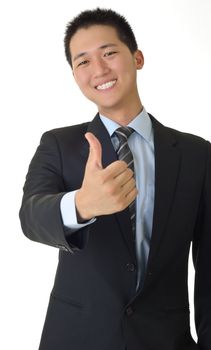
68,212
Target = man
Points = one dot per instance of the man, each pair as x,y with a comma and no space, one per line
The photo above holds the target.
122,197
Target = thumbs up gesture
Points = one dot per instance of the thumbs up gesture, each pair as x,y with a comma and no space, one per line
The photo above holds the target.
104,191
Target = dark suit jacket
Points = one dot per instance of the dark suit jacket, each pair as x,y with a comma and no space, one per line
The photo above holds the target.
94,304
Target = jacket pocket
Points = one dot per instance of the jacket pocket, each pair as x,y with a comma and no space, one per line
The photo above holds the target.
67,300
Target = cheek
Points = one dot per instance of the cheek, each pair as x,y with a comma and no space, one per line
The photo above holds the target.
124,68
81,80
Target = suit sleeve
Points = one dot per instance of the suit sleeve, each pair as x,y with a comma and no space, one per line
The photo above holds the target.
202,262
40,213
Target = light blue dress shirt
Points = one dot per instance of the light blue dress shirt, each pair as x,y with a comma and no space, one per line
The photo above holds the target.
141,143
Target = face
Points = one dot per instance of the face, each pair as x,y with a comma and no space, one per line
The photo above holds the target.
104,68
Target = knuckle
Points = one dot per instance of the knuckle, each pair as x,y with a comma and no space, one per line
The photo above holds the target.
120,207
122,164
129,172
110,190
120,203
133,182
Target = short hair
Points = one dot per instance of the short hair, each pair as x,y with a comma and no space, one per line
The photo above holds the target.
100,16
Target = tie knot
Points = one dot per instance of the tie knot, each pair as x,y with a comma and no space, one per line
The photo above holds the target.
124,132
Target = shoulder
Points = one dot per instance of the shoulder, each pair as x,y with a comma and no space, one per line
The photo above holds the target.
66,135
183,139
193,148
66,131
188,139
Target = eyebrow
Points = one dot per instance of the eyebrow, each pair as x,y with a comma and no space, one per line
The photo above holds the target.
105,46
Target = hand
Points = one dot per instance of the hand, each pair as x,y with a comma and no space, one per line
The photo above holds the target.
104,191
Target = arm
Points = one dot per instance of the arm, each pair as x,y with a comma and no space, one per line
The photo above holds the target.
103,192
44,189
202,262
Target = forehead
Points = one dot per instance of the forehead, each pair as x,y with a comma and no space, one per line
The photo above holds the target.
88,39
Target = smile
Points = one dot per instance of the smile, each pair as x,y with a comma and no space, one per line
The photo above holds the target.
107,85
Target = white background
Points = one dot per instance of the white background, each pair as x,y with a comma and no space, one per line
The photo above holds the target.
38,93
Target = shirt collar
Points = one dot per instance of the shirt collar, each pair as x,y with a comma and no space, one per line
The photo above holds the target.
141,124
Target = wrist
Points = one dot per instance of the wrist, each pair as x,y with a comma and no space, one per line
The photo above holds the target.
82,213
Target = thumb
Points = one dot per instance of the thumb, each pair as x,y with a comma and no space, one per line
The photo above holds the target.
95,150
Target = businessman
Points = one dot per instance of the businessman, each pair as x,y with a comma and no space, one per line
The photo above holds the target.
122,197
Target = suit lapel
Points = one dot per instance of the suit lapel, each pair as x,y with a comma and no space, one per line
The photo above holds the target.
109,156
167,161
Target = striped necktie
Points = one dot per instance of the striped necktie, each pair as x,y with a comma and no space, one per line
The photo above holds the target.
124,153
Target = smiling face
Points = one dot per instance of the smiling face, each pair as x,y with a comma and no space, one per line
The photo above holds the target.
105,70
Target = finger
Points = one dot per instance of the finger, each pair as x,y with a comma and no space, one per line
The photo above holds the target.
128,186
131,195
95,150
124,177
114,169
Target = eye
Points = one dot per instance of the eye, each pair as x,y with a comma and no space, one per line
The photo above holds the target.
82,63
110,53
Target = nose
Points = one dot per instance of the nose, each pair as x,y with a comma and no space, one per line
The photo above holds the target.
100,67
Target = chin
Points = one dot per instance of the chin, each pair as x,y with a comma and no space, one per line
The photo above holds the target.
109,105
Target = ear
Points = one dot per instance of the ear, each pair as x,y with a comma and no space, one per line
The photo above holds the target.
139,59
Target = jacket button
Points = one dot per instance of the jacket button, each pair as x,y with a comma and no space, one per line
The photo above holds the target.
129,311
130,267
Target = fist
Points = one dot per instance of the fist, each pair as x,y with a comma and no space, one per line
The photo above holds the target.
104,191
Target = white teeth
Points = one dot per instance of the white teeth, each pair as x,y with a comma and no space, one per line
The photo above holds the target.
106,85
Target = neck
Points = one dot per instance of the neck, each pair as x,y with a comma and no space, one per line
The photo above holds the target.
123,116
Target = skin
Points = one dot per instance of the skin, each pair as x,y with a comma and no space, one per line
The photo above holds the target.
97,66
99,57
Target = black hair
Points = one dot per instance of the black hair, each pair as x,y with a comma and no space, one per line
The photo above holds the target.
100,16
